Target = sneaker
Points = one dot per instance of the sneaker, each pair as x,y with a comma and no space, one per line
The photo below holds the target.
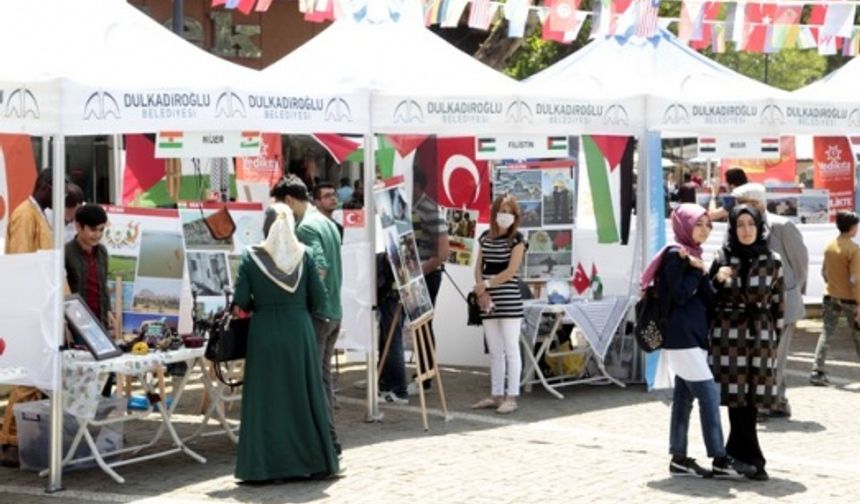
759,475
412,388
819,379
729,467
686,466
390,397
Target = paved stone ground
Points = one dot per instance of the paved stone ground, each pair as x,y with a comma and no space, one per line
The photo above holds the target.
598,444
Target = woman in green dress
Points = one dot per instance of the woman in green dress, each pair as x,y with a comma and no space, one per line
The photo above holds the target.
285,427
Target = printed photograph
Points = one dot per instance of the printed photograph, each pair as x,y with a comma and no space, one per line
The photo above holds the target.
392,250
392,208
135,324
156,295
548,241
460,250
234,261
122,266
197,234
559,197
121,235
416,299
127,294
208,306
161,255
208,273
555,265
525,185
461,222
783,205
249,230
530,214
409,256
813,208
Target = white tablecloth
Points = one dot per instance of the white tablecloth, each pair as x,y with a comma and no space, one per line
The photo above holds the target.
598,320
84,377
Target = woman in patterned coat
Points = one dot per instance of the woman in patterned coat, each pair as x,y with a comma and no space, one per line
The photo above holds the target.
745,329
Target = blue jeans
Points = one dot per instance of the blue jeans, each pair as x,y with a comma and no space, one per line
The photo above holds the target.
708,394
393,376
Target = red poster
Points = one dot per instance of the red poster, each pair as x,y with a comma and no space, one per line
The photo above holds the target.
265,168
19,173
833,162
777,171
460,181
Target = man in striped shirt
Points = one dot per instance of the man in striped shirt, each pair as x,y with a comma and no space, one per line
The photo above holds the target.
431,238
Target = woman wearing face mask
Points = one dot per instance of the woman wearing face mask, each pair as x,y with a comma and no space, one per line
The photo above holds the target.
496,284
745,331
684,360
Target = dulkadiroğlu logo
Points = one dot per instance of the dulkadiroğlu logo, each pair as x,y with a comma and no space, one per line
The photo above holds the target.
519,112
229,105
676,114
408,111
101,105
21,103
337,110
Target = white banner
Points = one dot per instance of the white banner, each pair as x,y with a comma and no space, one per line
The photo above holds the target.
521,147
738,147
178,144
29,341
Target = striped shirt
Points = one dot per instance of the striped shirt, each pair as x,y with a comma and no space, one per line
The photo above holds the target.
428,222
495,257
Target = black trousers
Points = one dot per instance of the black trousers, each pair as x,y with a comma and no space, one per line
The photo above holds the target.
743,437
434,281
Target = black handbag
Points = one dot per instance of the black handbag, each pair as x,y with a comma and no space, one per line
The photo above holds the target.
228,341
652,312
474,315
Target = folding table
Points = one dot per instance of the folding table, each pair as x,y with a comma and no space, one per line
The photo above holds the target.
597,320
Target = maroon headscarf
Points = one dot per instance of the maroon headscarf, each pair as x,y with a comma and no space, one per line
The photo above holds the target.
684,219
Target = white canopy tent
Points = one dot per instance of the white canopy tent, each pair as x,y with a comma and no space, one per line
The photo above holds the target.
686,93
107,68
421,84
828,106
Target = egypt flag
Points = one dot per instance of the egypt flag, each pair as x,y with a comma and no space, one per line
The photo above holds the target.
609,167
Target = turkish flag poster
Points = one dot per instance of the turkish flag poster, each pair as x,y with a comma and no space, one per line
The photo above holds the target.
457,180
17,175
833,162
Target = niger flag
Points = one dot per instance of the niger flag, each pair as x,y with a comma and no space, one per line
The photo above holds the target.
609,163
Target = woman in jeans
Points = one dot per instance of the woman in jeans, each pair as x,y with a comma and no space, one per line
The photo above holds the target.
746,328
496,283
681,280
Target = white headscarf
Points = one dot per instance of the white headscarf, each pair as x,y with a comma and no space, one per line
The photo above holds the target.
281,243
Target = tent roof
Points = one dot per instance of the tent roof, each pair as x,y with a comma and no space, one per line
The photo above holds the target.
413,74
670,74
107,67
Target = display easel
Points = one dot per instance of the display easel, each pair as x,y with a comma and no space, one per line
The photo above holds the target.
421,339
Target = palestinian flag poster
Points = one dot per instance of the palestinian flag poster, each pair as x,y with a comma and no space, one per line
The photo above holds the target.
609,169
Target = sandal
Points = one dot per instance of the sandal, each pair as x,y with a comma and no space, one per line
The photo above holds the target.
487,403
507,407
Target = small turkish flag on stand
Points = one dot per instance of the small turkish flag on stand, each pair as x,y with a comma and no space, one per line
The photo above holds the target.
580,282
353,218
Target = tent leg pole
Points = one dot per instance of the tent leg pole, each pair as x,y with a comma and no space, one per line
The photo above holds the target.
373,414
55,479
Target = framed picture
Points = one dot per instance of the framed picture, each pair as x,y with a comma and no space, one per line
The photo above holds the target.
87,328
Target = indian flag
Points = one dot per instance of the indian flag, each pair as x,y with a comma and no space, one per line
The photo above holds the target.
609,170
250,140
486,145
556,143
170,140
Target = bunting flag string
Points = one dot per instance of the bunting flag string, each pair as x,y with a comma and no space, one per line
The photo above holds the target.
759,27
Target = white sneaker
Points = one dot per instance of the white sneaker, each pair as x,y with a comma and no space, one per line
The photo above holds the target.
391,398
412,388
